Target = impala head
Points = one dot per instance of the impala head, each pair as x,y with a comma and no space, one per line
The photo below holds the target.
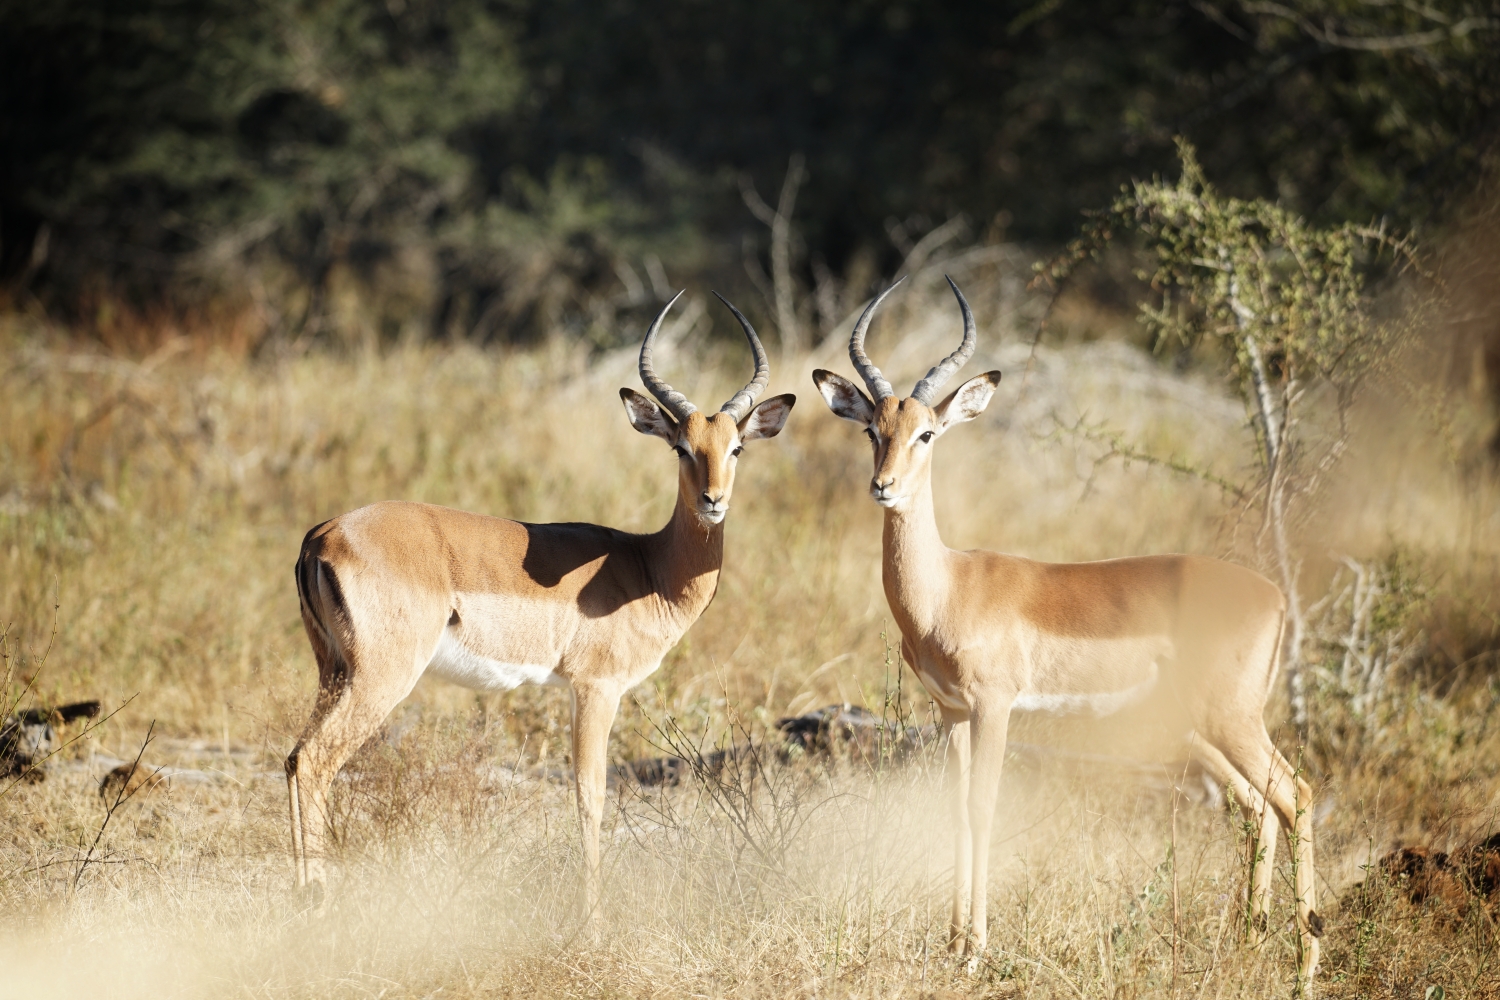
903,431
708,447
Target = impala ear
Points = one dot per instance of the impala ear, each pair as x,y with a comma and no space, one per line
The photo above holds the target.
968,400
844,398
767,419
646,417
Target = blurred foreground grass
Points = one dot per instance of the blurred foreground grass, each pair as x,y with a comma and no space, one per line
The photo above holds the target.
151,508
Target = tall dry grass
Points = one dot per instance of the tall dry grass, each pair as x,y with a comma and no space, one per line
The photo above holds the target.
150,511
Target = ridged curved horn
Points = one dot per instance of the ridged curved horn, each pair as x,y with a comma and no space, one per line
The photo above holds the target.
739,403
879,387
676,403
943,370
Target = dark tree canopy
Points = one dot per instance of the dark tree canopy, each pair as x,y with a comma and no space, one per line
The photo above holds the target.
156,148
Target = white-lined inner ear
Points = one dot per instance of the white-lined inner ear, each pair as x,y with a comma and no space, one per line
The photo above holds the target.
648,418
844,398
766,420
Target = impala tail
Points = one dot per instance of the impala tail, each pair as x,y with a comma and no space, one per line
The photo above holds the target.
323,606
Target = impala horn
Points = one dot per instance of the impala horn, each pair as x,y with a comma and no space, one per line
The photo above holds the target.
739,403
676,403
879,387
943,370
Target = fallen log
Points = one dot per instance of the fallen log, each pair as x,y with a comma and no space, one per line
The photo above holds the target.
29,737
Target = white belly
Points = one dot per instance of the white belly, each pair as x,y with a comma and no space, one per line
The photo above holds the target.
455,662
1096,704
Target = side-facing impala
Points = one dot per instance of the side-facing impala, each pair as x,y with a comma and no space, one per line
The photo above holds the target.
393,590
1195,639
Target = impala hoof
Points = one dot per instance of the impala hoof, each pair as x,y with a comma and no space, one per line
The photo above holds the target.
1314,924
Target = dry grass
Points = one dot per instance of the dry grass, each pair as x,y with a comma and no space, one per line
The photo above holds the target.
152,509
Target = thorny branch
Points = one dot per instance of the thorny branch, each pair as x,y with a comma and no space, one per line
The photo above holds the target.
1116,447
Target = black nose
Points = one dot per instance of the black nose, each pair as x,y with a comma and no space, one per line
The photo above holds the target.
878,486
710,500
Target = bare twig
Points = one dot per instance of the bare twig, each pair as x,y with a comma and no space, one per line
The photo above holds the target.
122,796
1118,448
1329,34
779,220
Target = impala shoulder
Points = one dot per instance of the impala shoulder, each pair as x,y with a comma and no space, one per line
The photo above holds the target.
990,578
990,559
997,569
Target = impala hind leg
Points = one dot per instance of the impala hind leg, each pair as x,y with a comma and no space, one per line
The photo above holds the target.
1257,758
956,771
342,721
1262,845
594,708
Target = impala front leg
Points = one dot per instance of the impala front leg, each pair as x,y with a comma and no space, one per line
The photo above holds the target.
594,707
956,768
991,720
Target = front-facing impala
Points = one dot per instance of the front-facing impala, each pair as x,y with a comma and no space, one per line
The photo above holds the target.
393,590
987,632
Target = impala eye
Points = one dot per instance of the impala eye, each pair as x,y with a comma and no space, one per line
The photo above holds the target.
926,437
681,451
737,450
870,433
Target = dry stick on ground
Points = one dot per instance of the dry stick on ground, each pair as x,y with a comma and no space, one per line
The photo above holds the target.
121,797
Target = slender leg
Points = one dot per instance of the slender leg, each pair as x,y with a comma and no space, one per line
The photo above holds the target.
1265,867
1263,841
1258,759
956,768
1298,817
990,725
594,707
347,718
299,855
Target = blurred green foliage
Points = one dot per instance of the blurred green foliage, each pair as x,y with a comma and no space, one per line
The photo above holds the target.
484,167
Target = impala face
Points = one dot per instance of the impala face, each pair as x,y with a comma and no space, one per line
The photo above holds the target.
708,447
902,432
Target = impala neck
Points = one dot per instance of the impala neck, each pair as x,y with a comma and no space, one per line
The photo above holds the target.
914,563
688,558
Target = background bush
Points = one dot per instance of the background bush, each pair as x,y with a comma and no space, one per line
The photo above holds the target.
494,168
